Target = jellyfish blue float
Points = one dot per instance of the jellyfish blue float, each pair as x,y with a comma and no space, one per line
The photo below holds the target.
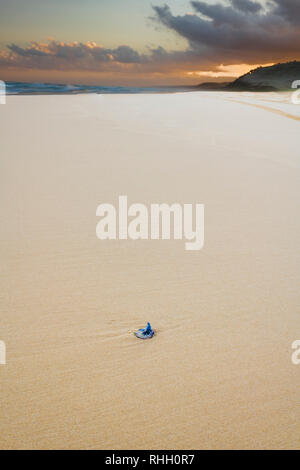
145,333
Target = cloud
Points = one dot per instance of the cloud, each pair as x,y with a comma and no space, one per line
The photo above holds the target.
289,10
236,32
29,52
60,55
247,6
241,31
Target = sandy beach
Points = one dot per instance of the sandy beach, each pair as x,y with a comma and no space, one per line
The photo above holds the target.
218,373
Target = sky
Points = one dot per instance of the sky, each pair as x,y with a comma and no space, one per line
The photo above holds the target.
144,43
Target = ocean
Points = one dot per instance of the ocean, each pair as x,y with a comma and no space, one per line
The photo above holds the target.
24,88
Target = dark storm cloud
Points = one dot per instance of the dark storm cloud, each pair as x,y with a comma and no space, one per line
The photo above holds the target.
288,9
247,6
242,30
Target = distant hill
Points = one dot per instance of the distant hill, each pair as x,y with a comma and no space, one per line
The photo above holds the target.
272,78
213,86
275,77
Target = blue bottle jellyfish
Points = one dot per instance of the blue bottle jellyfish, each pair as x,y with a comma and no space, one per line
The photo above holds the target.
145,333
